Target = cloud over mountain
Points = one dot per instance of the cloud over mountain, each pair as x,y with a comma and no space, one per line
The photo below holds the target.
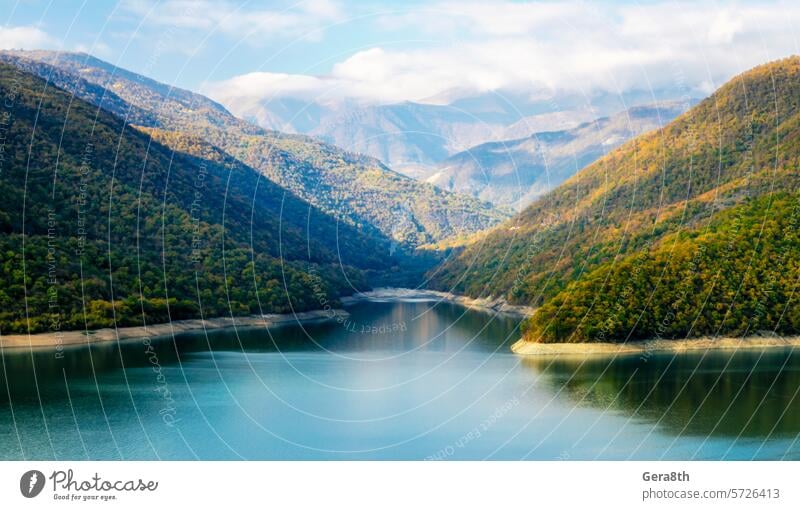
24,37
482,46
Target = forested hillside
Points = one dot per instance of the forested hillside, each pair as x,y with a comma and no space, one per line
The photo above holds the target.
357,189
737,276
103,226
714,169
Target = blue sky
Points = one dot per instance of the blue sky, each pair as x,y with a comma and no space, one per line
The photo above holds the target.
391,51
173,43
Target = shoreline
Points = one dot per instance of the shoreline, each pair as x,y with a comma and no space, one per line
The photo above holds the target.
527,348
58,340
498,305
64,339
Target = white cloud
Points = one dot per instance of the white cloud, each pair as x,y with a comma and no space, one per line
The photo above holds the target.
484,46
724,27
254,26
254,84
24,38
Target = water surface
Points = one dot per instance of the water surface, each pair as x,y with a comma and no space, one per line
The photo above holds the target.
397,380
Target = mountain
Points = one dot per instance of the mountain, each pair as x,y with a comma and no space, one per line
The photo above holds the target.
685,231
286,114
737,276
358,190
414,137
104,226
408,136
515,172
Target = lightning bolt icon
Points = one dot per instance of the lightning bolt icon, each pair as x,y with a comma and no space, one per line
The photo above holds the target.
32,482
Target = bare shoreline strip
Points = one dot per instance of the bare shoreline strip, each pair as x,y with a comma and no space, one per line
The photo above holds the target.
498,305
58,340
528,348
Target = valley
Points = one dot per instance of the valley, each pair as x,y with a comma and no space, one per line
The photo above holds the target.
322,230
623,250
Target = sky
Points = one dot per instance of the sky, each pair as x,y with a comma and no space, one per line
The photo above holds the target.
388,51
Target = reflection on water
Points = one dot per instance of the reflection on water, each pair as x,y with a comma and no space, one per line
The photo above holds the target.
396,380
749,393
374,327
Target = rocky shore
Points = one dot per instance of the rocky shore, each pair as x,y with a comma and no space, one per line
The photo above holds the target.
651,346
497,305
61,339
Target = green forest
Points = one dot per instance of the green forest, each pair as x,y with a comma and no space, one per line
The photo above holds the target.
103,226
739,276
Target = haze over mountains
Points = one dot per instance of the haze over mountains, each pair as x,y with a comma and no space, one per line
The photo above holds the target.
414,137
516,172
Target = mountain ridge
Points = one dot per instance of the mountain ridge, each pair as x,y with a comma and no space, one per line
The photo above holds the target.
740,144
115,229
414,136
285,159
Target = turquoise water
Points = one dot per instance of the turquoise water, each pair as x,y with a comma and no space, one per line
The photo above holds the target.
398,380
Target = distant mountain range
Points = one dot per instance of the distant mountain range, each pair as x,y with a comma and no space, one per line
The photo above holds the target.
415,137
516,172
356,189
690,230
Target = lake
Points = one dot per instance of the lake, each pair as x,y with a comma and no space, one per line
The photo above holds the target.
396,380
